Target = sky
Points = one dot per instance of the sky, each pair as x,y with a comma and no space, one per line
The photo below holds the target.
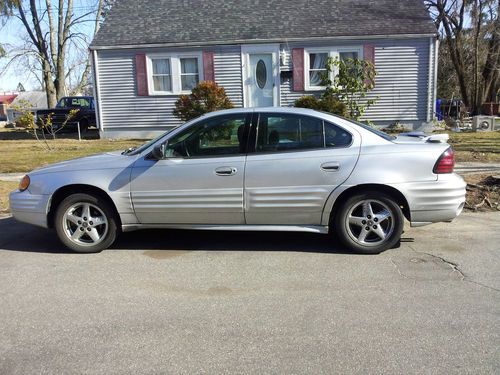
13,33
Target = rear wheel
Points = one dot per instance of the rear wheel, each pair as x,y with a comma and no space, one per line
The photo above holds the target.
84,126
85,223
369,223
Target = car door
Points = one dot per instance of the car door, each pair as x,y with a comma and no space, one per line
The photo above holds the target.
200,180
296,163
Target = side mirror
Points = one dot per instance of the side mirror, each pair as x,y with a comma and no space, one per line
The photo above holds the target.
158,152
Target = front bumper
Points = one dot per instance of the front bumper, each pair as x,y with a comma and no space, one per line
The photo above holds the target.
435,201
29,208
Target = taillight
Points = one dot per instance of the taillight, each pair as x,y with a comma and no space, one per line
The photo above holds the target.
445,163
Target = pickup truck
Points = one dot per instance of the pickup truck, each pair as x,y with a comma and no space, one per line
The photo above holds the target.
85,114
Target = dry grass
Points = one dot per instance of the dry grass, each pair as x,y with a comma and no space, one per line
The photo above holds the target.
20,153
481,147
5,189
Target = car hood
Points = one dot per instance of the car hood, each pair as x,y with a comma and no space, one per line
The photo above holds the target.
108,160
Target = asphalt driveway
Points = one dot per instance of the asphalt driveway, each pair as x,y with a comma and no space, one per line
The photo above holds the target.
217,302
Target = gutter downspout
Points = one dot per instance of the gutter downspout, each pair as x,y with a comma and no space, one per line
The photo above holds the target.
97,93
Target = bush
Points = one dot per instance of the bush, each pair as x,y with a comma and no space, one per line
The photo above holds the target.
206,97
326,104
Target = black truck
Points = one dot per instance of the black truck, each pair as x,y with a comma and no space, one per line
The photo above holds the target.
83,112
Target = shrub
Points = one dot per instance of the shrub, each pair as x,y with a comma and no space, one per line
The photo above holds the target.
328,104
206,97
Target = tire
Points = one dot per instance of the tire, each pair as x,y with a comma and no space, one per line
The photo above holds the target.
86,223
369,223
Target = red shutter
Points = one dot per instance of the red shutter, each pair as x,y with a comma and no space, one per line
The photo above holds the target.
141,76
208,66
369,53
298,69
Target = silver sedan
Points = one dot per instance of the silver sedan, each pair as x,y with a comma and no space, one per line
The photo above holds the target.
265,169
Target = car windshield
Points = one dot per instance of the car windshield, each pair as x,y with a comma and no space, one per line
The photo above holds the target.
380,133
73,103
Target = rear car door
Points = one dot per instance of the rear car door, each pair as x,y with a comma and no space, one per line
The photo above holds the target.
297,161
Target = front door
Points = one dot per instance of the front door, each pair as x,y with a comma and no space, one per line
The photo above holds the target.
200,181
260,76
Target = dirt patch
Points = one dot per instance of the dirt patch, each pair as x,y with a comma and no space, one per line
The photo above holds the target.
483,192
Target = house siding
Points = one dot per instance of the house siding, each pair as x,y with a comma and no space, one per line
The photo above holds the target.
125,114
405,85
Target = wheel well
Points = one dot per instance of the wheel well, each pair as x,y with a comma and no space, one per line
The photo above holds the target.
68,190
398,197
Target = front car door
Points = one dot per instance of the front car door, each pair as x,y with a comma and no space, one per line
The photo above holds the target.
200,181
297,162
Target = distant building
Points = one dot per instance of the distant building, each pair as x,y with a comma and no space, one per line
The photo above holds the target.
5,100
27,100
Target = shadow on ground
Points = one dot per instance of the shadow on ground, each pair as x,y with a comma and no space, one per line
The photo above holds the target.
15,236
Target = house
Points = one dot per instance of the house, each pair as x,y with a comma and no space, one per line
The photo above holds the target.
6,100
264,53
26,101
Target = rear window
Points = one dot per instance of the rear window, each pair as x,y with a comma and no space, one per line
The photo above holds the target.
380,133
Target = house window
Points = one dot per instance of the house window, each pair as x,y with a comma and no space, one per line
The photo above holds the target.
173,74
316,60
317,68
189,73
162,76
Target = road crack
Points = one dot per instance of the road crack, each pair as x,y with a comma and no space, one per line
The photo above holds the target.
456,268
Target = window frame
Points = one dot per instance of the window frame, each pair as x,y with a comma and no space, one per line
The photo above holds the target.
175,71
254,134
333,52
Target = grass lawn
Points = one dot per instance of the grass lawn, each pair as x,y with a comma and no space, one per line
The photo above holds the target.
19,152
5,189
483,147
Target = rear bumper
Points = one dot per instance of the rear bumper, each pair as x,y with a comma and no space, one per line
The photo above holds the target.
435,201
29,208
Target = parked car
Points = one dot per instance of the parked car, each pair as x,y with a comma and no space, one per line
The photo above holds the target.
270,169
82,109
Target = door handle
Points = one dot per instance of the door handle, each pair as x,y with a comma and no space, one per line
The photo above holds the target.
225,171
333,166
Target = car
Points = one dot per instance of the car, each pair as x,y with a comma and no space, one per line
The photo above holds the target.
81,108
263,169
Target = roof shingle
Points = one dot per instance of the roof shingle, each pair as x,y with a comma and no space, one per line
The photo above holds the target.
192,22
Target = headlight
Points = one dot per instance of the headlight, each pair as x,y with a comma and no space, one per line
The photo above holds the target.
25,183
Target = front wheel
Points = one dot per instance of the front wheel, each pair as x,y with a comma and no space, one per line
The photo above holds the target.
85,223
369,223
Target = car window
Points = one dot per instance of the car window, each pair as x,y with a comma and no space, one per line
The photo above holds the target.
335,136
73,103
283,132
218,136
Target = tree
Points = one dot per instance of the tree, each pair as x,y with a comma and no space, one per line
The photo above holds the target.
53,40
470,30
346,94
205,97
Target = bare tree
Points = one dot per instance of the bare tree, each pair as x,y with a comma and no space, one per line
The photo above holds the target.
52,30
470,29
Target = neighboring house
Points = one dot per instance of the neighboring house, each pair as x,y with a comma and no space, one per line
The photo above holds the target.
263,53
6,100
26,100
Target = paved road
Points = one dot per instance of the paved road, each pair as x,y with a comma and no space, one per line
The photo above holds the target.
212,302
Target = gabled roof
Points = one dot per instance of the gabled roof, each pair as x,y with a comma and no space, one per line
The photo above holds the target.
200,22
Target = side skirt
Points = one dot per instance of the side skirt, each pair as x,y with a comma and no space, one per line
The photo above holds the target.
260,228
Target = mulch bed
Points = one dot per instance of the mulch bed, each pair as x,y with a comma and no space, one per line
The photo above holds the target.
483,192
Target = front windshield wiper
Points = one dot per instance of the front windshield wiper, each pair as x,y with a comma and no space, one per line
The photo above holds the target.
129,150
